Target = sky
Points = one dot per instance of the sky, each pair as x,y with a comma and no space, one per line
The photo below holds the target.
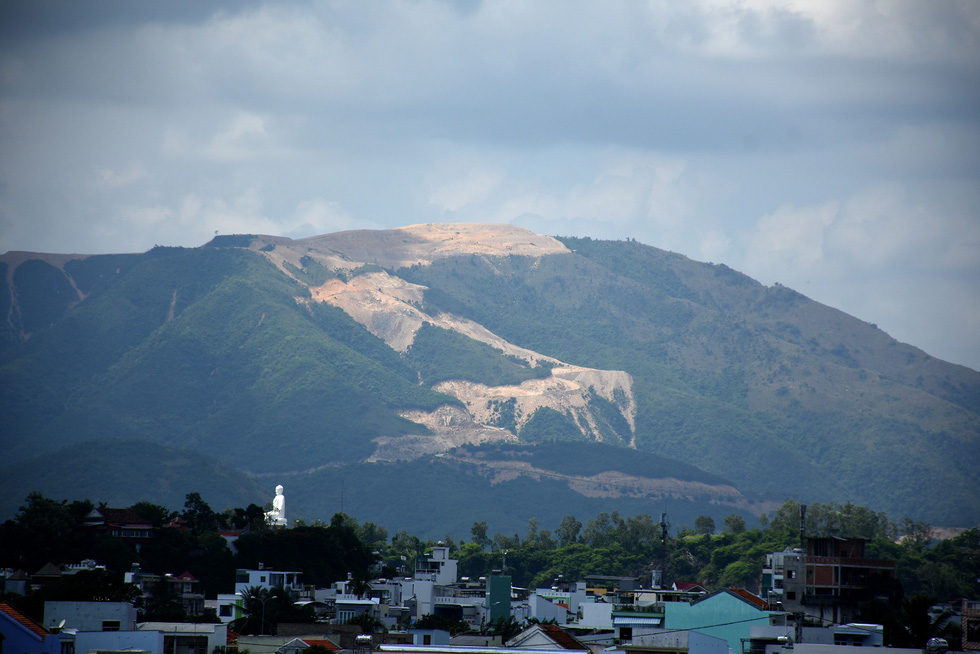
832,146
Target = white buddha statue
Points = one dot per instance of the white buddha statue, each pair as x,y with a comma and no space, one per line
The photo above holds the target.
277,516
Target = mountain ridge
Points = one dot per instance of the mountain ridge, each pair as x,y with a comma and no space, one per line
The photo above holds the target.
316,354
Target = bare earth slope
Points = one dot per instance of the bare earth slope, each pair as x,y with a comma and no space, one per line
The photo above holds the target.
461,353
390,308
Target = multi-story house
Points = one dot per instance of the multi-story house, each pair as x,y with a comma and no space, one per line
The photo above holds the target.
828,582
124,524
229,605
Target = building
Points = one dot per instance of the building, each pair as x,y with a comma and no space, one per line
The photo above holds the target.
13,581
268,579
187,637
20,634
970,622
229,605
775,639
727,614
546,636
100,627
677,642
829,581
185,585
124,524
438,568
90,616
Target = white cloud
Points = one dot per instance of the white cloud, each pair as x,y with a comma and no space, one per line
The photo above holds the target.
242,137
790,237
832,146
318,216
108,178
474,187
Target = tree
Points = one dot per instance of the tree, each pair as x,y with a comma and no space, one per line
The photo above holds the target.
920,624
479,532
368,623
734,523
255,600
372,535
265,608
599,531
43,531
444,622
199,516
155,514
786,519
505,628
164,603
568,531
704,525
918,535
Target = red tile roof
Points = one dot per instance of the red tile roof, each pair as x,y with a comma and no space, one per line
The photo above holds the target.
562,637
751,597
322,643
123,517
17,616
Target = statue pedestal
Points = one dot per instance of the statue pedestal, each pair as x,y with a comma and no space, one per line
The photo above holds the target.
274,521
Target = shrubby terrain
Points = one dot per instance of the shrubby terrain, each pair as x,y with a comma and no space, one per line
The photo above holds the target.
378,355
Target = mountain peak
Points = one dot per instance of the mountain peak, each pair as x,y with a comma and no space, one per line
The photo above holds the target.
425,243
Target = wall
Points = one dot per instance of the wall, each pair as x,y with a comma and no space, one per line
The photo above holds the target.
721,615
89,616
147,641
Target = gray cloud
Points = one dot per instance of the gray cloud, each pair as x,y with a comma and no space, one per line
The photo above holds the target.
830,146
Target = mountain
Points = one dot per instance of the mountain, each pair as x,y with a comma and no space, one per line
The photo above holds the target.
362,363
121,473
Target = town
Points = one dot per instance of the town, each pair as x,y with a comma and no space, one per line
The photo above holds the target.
342,587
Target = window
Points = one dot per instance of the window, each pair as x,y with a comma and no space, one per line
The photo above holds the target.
225,610
110,625
791,594
427,639
791,574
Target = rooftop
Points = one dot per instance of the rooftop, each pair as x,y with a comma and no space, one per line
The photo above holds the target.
25,621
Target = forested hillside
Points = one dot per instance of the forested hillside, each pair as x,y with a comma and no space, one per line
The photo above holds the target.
366,360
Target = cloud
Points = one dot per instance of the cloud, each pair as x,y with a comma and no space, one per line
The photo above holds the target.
244,136
832,146
472,188
791,236
108,178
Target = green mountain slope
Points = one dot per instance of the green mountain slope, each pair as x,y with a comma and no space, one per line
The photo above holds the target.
447,494
772,390
209,349
121,473
239,350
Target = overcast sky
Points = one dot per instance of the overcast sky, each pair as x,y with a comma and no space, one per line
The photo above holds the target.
831,146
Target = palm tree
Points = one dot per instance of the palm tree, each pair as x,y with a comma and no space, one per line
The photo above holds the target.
921,624
264,608
254,601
